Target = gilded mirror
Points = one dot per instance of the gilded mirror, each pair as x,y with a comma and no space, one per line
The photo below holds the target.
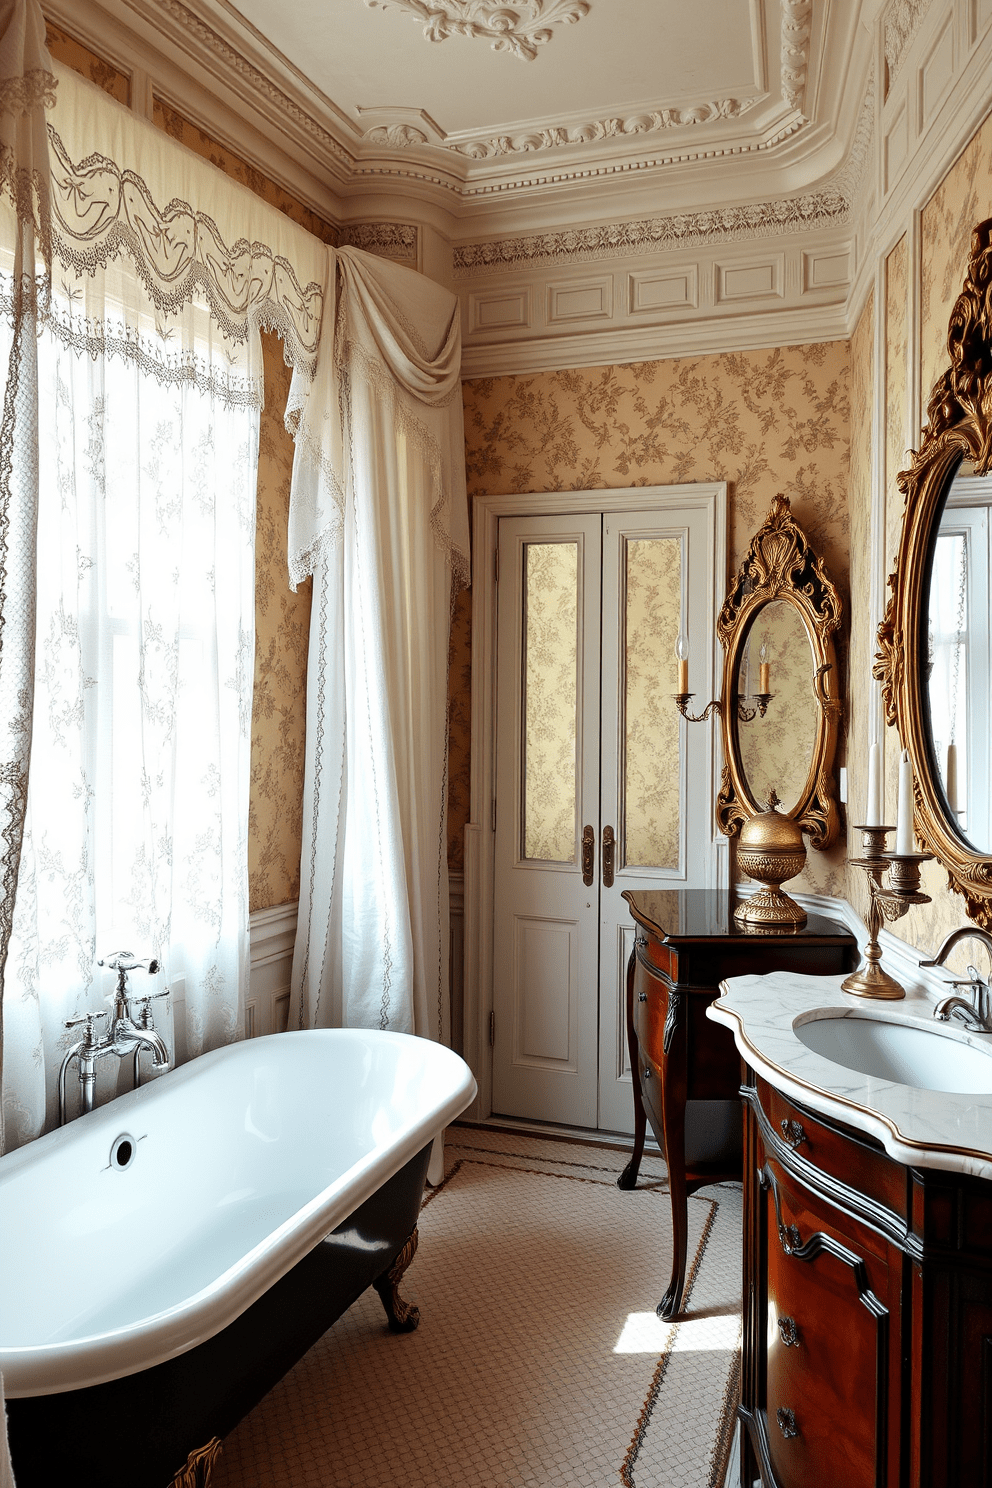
780,711
934,642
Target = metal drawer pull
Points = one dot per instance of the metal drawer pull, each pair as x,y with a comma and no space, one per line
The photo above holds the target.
609,856
789,1238
789,1331
647,1072
786,1422
588,856
793,1133
642,997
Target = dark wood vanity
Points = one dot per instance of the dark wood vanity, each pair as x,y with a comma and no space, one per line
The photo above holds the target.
867,1310
687,941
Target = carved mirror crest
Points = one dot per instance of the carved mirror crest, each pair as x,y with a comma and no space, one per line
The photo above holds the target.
776,627
934,642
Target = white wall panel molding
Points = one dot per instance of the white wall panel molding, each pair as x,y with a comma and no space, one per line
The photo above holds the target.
716,300
661,291
271,937
499,310
580,299
750,280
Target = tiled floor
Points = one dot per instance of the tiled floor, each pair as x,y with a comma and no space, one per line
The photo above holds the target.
539,1361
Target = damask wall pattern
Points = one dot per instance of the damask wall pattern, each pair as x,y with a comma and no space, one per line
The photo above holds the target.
282,630
861,621
65,48
765,421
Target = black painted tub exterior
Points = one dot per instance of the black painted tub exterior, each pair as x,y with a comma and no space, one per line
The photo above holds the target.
138,1431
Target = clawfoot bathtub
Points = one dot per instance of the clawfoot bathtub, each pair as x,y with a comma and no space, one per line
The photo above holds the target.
167,1258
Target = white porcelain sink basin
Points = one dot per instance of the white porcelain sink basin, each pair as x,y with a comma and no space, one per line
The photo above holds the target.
927,1057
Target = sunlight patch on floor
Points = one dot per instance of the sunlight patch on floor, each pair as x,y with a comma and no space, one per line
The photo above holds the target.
646,1333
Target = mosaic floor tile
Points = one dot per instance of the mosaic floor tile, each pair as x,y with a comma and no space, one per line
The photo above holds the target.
539,1361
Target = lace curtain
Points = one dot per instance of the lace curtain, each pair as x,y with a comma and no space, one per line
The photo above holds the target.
379,517
149,379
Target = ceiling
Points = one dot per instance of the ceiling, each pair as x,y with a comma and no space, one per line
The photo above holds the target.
518,113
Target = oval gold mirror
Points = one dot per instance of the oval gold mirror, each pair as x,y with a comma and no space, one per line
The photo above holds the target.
934,642
780,712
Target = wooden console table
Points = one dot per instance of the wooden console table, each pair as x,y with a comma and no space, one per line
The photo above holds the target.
686,943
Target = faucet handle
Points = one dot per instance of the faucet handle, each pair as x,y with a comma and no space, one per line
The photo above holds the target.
141,1002
128,961
88,1018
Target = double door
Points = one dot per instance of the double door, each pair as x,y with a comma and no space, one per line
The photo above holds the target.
600,786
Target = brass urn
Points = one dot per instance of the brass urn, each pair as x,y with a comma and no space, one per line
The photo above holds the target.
771,851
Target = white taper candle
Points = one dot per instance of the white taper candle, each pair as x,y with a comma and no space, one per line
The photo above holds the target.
873,805
905,842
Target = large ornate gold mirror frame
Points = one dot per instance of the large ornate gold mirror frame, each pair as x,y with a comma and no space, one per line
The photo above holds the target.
781,566
959,427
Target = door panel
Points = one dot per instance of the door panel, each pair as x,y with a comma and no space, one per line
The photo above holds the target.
588,738
545,952
655,581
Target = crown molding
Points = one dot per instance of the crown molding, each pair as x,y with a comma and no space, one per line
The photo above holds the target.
212,44
807,213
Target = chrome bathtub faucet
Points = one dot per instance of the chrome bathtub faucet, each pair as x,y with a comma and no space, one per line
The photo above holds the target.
131,1029
974,1012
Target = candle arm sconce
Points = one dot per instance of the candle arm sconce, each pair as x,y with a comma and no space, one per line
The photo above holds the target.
744,713
889,901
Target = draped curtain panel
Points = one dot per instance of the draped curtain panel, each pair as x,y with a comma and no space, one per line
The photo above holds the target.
149,384
379,516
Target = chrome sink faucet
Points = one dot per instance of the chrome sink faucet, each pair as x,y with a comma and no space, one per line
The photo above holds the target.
131,1028
975,1012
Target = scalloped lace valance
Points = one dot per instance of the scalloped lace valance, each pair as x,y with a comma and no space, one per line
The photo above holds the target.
192,263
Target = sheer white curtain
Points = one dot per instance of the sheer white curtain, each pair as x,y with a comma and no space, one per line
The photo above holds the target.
149,376
379,517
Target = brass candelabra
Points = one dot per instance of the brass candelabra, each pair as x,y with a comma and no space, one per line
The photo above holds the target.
889,901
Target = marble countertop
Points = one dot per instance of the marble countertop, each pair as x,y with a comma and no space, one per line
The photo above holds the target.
922,1128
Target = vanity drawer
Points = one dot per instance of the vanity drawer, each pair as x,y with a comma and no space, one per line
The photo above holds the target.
847,1157
828,1344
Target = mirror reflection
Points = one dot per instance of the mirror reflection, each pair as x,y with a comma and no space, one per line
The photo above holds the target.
776,750
958,656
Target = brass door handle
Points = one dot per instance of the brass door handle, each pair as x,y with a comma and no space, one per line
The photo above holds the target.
588,856
609,856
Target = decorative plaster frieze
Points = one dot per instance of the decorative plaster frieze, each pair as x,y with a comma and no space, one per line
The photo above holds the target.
256,80
817,209
518,30
395,136
796,17
395,240
902,21
609,170
597,129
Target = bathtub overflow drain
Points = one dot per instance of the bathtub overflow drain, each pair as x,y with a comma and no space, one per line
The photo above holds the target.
122,1152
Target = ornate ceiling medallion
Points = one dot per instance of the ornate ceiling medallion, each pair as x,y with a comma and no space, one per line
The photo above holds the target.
519,28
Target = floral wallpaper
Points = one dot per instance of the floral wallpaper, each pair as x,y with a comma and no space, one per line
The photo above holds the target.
282,629
862,621
765,421
962,199
65,48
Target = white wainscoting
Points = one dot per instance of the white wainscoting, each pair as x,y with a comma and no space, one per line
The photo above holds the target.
271,933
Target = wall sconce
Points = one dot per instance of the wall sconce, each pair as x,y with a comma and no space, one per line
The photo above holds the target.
745,714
